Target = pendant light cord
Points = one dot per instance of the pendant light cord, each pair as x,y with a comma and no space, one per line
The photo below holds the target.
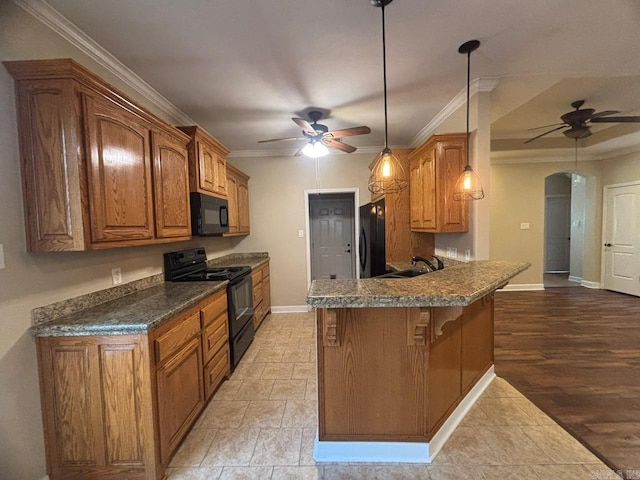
468,83
384,76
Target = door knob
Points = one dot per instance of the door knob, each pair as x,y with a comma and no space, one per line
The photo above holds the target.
347,251
608,245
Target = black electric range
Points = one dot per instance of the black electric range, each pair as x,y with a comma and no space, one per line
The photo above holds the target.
191,266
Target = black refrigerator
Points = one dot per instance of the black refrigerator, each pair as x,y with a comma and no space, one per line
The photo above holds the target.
372,252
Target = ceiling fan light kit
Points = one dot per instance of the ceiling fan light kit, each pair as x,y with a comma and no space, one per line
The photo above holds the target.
468,186
315,150
387,174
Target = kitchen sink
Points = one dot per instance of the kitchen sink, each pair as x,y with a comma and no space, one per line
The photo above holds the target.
403,274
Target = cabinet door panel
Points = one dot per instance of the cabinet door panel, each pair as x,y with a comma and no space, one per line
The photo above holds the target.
122,411
451,162
477,340
171,186
180,395
120,189
243,206
207,160
428,175
232,195
415,187
221,175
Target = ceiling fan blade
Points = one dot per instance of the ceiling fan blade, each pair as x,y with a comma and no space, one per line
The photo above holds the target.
281,139
304,125
330,142
604,113
547,126
348,132
615,120
545,133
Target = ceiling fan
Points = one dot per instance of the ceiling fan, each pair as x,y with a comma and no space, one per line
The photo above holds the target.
579,121
319,137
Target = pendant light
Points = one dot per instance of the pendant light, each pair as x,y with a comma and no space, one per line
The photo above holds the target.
387,174
468,186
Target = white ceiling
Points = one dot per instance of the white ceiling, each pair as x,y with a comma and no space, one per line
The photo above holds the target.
243,68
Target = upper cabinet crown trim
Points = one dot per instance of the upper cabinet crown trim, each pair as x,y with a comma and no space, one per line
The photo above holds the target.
58,23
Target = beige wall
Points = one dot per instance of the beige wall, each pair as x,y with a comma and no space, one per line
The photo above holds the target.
622,169
30,281
276,199
518,197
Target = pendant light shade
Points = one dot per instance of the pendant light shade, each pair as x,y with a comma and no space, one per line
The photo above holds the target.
468,186
387,175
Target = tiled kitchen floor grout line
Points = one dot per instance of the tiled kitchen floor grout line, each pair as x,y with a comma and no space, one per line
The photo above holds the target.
257,427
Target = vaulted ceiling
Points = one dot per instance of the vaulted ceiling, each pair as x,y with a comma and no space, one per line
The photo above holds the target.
243,68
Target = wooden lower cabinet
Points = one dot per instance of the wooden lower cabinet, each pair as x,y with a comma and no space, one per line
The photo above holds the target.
261,280
117,406
396,374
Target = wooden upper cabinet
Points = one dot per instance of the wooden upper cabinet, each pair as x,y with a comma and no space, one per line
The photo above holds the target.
89,170
238,196
119,173
435,168
207,163
171,182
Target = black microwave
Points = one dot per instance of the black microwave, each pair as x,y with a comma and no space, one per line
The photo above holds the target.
209,215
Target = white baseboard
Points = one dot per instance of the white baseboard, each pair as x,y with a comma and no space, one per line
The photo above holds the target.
588,284
522,287
401,452
575,279
291,309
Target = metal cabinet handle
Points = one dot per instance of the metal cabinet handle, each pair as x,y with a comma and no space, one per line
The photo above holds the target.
608,245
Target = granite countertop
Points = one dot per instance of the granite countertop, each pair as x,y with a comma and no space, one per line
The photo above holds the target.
253,260
456,285
136,313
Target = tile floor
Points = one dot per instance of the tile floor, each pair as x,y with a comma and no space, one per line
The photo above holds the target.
262,422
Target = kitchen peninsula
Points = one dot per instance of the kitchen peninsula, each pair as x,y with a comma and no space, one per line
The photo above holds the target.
401,360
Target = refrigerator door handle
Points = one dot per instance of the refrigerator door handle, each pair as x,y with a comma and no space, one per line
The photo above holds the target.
363,249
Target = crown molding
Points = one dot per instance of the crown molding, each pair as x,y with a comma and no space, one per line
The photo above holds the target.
479,85
49,16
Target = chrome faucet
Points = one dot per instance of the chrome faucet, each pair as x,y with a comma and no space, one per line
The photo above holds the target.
428,264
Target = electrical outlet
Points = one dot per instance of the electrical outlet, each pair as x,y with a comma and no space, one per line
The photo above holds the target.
1,256
300,233
454,252
524,226
116,276
467,254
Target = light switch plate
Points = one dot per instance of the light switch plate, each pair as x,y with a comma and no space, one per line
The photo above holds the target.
116,276
467,254
524,226
300,233
1,256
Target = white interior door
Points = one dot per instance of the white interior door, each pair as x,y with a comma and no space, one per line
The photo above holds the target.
621,262
332,238
557,231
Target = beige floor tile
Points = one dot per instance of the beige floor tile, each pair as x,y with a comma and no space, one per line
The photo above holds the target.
247,371
312,390
404,472
300,413
246,473
231,447
505,411
288,389
297,473
264,413
306,450
266,355
510,472
227,390
536,415
467,447
455,472
304,370
197,473
512,446
193,448
293,355
277,446
254,390
594,472
559,446
223,414
277,370
475,417
349,472
501,388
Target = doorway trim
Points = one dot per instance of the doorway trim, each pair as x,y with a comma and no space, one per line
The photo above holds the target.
307,224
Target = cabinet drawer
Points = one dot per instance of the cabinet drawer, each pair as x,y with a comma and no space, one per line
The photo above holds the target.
215,336
257,295
172,340
214,309
216,370
256,277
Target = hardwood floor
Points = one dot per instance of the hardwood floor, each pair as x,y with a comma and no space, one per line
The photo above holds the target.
575,353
